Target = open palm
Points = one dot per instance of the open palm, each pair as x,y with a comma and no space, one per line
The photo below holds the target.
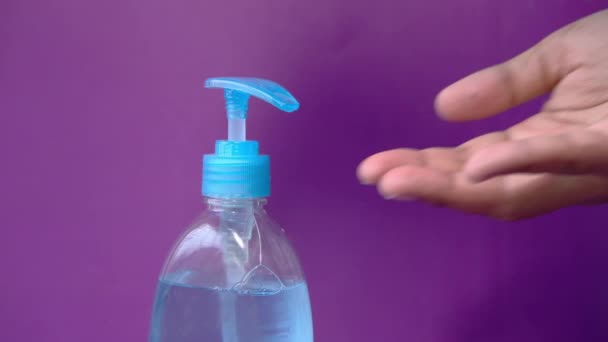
556,158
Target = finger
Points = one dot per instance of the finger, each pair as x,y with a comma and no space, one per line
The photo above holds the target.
484,140
443,189
529,196
439,158
500,87
372,168
576,152
505,198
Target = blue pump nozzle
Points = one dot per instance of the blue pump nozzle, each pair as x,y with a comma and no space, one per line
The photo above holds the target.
237,91
236,170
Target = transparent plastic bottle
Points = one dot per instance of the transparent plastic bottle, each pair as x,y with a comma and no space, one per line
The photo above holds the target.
233,276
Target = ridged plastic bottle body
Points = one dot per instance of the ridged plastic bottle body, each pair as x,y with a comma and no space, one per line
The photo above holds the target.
232,277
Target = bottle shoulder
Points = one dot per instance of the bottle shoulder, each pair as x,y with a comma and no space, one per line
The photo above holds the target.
229,249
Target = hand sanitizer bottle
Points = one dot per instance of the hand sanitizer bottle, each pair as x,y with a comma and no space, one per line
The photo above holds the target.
233,276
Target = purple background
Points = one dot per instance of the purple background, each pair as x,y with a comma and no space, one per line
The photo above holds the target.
104,120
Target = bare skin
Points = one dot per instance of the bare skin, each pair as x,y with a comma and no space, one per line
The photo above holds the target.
554,159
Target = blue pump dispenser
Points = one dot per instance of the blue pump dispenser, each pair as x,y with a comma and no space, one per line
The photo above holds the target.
237,170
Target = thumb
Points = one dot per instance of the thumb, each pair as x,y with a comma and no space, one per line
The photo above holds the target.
500,87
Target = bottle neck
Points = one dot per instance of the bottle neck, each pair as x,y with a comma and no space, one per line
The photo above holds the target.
236,215
235,204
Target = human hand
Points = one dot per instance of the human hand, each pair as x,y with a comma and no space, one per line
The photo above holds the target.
556,158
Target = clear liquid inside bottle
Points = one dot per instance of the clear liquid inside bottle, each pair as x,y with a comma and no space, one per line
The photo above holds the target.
232,277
